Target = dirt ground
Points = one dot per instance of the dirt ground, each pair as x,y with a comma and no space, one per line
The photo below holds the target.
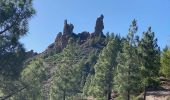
163,94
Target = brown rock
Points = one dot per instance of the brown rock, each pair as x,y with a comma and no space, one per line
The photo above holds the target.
68,28
83,36
99,26
58,38
30,54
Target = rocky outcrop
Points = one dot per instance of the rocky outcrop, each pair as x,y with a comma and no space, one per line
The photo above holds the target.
99,27
62,38
30,54
59,37
68,28
83,37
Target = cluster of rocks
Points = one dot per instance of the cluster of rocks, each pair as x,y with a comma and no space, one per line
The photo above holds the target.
30,54
63,37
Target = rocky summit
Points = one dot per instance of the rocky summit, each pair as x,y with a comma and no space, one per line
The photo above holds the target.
62,38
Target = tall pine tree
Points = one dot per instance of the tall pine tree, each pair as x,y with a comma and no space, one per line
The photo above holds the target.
67,81
128,77
104,70
165,63
14,17
149,54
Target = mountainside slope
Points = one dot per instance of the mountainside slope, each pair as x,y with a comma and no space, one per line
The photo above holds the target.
43,67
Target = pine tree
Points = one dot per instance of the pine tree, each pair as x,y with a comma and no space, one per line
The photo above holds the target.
104,70
165,63
128,77
89,73
14,17
67,80
149,54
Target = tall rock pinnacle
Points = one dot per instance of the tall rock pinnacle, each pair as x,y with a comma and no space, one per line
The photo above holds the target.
68,28
99,26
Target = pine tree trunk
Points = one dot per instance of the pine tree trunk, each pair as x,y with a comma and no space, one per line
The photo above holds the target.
109,95
64,95
128,97
109,92
110,84
145,93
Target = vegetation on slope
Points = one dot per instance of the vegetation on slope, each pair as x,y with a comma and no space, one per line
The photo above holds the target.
77,66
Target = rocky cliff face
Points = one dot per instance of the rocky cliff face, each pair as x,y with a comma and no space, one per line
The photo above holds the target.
62,38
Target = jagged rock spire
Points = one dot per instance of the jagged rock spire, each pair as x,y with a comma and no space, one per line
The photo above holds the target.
68,28
99,26
62,38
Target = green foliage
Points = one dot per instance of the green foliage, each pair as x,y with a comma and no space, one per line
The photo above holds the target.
67,81
128,74
96,41
34,71
33,76
125,65
14,17
165,63
149,54
89,74
89,86
104,70
88,67
11,63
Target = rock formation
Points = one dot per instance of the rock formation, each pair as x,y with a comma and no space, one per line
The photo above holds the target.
30,54
59,36
62,39
99,27
68,28
83,37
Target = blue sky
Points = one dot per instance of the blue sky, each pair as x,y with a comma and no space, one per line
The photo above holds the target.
118,14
